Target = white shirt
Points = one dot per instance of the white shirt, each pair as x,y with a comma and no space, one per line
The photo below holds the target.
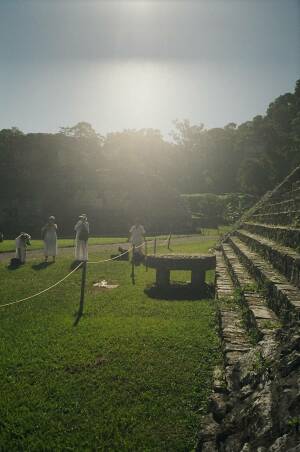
79,225
137,234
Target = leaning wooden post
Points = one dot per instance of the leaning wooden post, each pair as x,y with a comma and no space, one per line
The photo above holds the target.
146,253
132,264
154,246
83,281
169,240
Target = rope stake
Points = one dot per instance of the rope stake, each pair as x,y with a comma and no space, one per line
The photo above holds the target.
169,240
132,265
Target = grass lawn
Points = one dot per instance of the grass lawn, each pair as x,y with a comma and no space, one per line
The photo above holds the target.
9,245
134,374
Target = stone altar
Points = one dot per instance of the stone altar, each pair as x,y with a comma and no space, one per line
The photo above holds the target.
198,264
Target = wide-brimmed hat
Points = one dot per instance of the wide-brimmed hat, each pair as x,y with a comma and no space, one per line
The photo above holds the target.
83,215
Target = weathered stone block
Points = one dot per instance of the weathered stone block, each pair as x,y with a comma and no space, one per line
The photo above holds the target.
196,263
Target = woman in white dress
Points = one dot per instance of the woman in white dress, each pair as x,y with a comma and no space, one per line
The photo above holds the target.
82,230
49,234
137,236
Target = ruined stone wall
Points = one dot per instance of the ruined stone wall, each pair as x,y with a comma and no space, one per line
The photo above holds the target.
280,206
255,403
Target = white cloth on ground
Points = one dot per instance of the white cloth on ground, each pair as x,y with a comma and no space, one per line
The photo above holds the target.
50,240
81,246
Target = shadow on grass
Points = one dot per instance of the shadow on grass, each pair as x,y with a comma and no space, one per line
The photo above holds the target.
180,291
14,264
75,264
78,314
41,265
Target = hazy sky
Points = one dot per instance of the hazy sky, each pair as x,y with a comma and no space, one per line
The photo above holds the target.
134,64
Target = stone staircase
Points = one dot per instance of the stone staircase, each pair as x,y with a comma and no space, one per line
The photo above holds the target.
258,292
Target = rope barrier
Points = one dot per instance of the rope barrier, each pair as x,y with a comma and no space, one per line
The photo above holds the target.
69,274
42,291
111,259
116,257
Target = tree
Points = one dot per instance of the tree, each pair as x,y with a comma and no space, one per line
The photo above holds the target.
80,130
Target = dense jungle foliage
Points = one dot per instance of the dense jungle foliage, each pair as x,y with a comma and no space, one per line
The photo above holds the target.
211,210
137,173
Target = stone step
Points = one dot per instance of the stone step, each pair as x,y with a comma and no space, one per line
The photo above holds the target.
283,258
283,297
286,236
273,206
283,218
257,315
281,196
235,340
223,283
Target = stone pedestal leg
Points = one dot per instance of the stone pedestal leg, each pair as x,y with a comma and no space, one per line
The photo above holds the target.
162,277
198,279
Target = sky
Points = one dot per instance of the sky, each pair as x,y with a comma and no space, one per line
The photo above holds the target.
136,64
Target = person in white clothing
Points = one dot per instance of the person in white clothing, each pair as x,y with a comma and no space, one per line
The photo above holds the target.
21,245
82,230
137,236
49,235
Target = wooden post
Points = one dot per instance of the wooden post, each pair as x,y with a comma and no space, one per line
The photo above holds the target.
146,253
154,246
169,240
83,281
132,265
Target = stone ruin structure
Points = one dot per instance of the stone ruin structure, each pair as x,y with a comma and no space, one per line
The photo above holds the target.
255,403
198,264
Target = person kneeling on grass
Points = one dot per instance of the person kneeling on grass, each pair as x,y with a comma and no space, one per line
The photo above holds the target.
22,241
82,229
49,236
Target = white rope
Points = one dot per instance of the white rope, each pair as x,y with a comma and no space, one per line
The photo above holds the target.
111,259
116,257
42,291
69,274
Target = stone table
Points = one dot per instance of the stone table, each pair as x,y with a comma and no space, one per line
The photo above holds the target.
198,264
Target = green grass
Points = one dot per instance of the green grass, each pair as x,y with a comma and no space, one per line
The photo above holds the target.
9,245
188,247
134,374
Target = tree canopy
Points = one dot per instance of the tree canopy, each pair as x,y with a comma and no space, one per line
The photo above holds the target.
116,177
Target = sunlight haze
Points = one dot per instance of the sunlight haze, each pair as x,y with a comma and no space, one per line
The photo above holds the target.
137,64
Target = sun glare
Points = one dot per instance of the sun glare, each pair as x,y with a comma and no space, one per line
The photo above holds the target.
139,5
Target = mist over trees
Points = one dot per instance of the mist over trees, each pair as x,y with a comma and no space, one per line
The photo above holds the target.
137,173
